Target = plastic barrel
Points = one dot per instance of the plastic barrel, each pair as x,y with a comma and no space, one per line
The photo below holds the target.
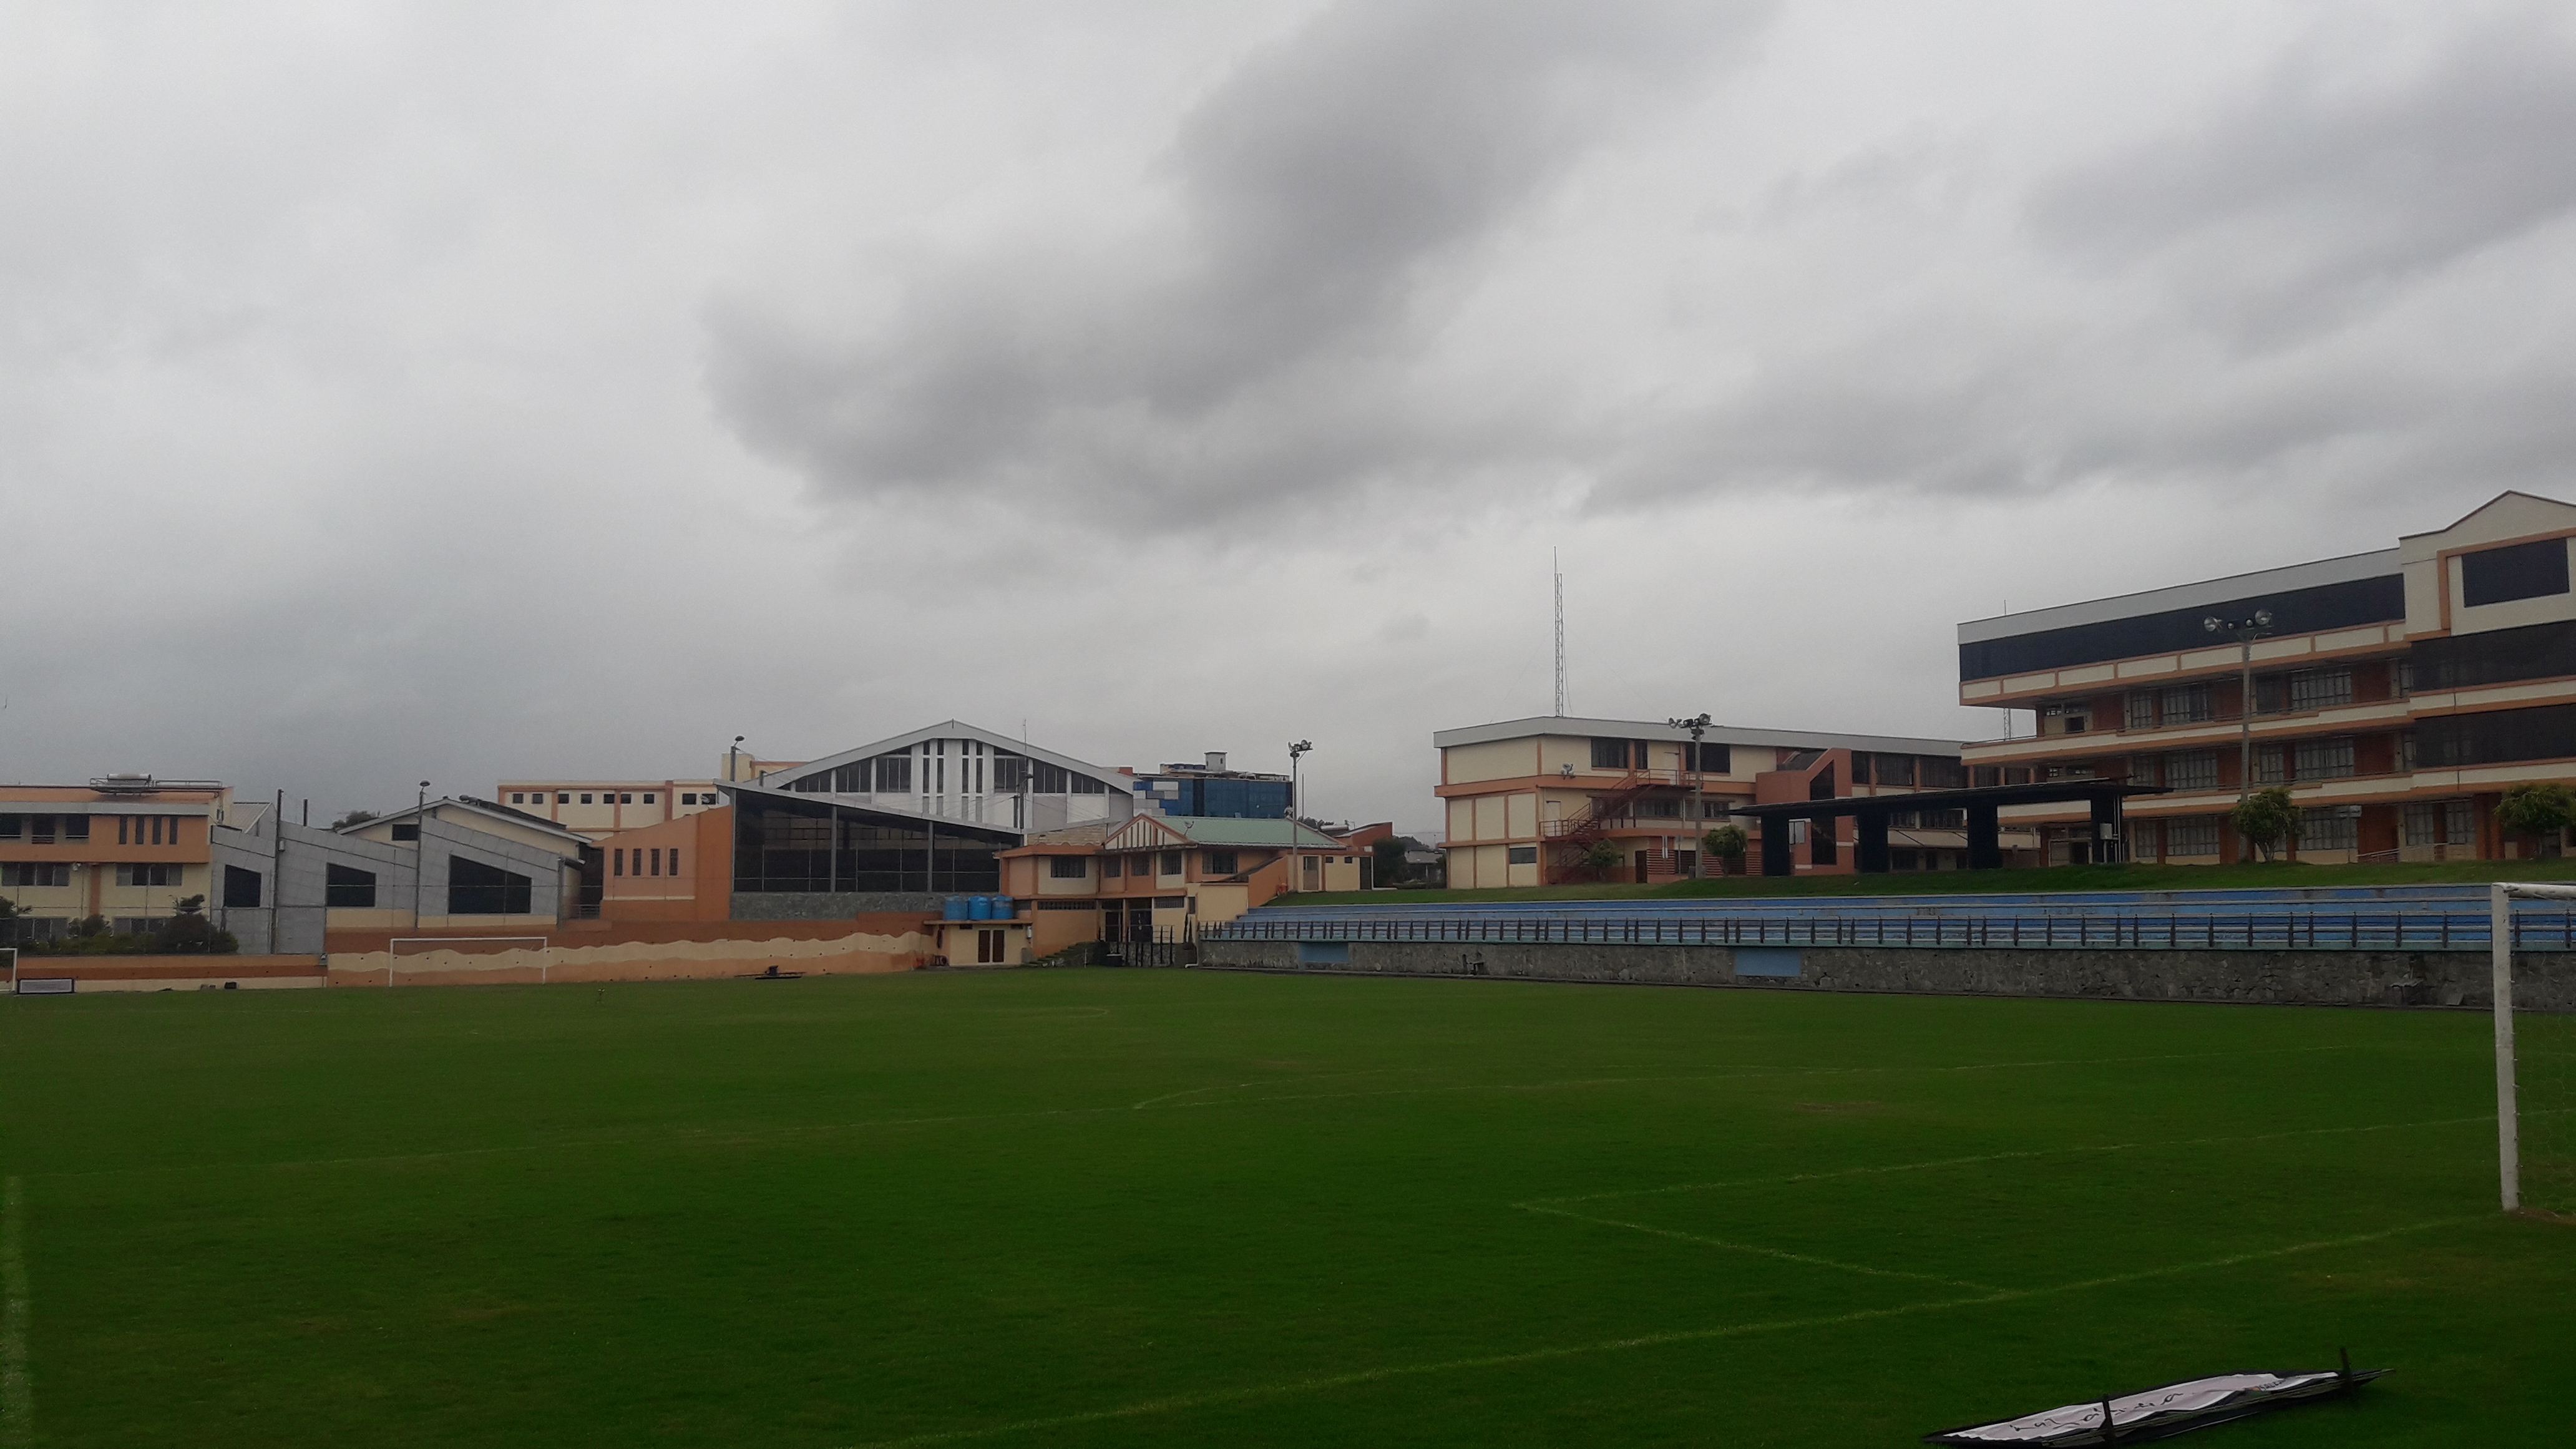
1004,908
953,909
979,908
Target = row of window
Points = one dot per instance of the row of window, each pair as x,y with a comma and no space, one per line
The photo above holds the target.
130,829
44,829
473,888
35,873
648,860
600,797
2330,827
1617,754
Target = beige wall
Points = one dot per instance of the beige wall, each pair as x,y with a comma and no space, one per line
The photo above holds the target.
1462,819
1495,760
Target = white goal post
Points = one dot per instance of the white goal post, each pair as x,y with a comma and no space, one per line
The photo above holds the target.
2500,899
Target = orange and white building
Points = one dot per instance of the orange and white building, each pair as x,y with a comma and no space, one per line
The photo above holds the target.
1530,801
1158,877
2396,694
124,849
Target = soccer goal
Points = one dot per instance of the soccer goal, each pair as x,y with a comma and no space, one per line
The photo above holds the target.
532,950
2535,1058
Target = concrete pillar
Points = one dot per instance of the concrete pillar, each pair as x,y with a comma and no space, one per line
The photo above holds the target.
1869,852
1985,838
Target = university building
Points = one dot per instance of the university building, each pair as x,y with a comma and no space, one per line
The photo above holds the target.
1530,801
2396,694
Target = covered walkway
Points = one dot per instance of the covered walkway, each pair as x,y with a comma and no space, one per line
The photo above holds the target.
1981,803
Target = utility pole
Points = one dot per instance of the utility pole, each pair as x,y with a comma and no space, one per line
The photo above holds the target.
731,773
419,860
1698,727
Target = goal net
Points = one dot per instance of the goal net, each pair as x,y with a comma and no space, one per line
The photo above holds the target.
2535,1052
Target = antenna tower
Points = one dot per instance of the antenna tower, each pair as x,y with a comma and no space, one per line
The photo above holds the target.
1560,632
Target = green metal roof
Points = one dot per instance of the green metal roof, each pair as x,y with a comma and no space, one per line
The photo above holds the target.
1222,830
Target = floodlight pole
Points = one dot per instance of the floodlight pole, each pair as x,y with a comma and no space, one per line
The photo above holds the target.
1296,754
2244,631
1698,726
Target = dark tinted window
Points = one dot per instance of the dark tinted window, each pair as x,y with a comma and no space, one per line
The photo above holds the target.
1609,754
2498,656
241,887
2500,737
346,885
408,830
2520,571
476,889
2298,611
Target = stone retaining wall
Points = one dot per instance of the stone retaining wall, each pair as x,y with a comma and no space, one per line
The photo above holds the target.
2543,981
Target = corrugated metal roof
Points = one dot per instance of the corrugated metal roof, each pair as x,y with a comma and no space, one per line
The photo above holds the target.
1224,830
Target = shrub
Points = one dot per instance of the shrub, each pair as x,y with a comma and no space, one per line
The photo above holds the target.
2266,818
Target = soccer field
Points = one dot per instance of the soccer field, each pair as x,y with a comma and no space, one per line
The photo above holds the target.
1100,1207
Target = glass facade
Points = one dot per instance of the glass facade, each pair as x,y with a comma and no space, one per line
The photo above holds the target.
783,846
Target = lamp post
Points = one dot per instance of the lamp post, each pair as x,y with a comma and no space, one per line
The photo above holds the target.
2244,631
731,773
1698,726
1296,754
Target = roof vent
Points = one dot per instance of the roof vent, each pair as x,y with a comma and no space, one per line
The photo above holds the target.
125,781
1216,760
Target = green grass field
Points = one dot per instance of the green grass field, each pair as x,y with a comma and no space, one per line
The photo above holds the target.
1100,1207
2259,875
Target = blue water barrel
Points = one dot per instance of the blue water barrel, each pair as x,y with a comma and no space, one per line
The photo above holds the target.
979,908
953,909
1004,908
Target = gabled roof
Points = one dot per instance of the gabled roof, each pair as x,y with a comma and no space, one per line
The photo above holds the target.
1639,729
944,730
479,807
1151,832
2492,502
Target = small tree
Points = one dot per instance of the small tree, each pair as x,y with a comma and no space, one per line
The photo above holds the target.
1603,858
354,817
2266,818
1726,843
2537,811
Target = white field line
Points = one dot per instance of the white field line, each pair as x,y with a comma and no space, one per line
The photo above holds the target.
1213,1398
1544,1203
1781,1253
17,1404
702,1137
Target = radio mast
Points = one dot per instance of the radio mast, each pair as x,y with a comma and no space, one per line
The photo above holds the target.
1560,632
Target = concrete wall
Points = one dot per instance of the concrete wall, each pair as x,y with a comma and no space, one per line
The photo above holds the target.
173,973
2543,980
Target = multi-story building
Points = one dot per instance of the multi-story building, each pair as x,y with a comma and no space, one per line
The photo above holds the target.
598,809
449,865
2395,693
1160,875
123,849
1530,801
1212,791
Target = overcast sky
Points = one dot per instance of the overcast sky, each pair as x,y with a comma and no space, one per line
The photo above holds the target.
467,391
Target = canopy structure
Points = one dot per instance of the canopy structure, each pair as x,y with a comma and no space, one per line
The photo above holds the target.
1985,830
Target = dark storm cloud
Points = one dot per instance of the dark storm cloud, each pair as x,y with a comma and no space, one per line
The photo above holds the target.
1257,342
2311,200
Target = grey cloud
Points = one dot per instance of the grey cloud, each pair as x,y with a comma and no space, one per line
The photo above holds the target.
1259,344
2315,198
